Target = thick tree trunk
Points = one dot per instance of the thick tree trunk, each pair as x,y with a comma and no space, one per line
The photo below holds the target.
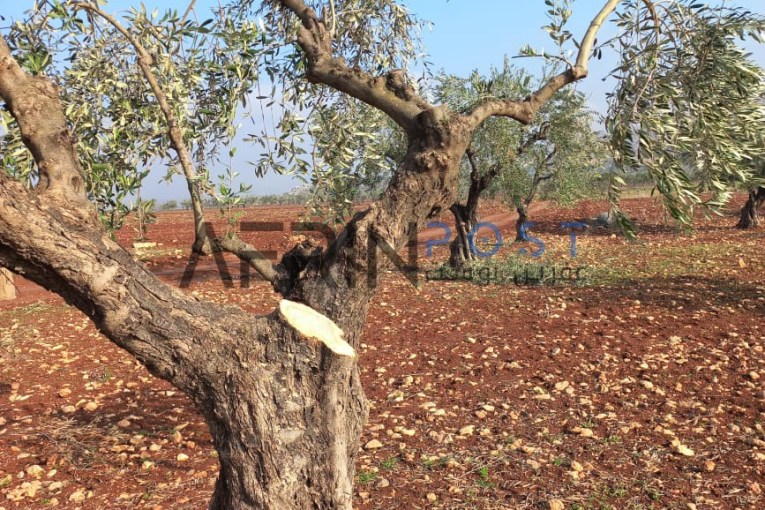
284,410
749,217
297,448
287,431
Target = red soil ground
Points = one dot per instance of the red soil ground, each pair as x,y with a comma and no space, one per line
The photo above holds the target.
639,388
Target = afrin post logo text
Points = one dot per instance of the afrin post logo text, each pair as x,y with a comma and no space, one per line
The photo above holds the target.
488,248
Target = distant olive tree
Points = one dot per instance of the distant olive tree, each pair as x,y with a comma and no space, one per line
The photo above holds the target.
557,152
749,216
170,205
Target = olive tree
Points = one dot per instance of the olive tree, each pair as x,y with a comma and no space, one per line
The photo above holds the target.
141,89
749,216
495,147
558,150
280,392
565,167
688,111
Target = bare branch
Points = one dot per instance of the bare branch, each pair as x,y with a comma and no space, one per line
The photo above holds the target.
34,102
390,93
251,255
524,111
189,9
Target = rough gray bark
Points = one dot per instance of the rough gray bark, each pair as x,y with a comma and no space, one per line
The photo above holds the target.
284,411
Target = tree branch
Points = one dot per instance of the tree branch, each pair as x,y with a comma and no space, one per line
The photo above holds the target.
537,136
189,9
34,102
479,183
165,329
251,255
63,247
524,111
390,93
174,131
538,179
474,172
549,158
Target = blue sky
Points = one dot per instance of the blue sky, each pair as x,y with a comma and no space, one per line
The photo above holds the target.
466,35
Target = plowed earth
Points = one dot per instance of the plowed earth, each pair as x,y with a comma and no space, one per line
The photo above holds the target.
640,386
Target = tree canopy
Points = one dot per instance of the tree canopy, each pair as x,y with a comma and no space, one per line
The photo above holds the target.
688,106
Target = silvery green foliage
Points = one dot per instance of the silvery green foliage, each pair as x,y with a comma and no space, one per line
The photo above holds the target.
574,155
687,107
569,157
495,143
350,162
205,67
230,195
558,13
313,132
